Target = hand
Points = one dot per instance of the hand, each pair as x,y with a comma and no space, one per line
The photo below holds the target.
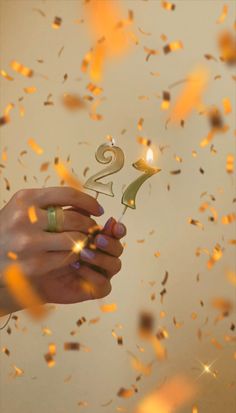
40,252
90,277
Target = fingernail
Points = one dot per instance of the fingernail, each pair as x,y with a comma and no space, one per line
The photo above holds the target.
101,241
108,223
87,254
101,210
120,229
76,265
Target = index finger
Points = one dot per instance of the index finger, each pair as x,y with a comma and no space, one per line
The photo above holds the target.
67,196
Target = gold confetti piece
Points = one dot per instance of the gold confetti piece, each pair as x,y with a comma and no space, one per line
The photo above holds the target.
22,291
83,403
67,176
71,346
32,214
157,254
165,279
23,70
224,306
150,52
94,320
210,57
144,32
5,75
173,394
228,219
73,102
7,184
167,5
6,351
125,393
230,164
22,111
17,372
44,166
227,46
165,104
41,12
231,276
57,23
95,90
160,350
191,95
52,349
34,146
145,324
140,124
145,369
46,331
29,90
227,105
4,154
223,15
4,120
108,308
195,222
49,360
175,172
177,324
216,256
12,255
194,409
173,46
216,344
144,141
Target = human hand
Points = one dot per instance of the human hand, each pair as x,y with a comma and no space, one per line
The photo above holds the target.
90,276
40,252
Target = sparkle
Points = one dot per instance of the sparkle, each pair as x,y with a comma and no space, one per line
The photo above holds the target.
78,246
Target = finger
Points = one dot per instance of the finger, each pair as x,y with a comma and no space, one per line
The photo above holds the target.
111,265
114,228
66,196
46,262
109,245
91,284
63,241
73,221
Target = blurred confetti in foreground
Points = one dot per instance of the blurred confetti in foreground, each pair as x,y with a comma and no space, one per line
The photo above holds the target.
108,30
172,395
22,291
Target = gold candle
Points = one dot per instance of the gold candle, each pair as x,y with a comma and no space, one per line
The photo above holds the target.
116,161
129,196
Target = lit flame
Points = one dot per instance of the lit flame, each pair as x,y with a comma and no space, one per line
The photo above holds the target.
149,155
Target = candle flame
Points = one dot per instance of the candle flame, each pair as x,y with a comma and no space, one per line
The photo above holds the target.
149,155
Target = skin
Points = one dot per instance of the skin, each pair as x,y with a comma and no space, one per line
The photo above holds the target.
47,260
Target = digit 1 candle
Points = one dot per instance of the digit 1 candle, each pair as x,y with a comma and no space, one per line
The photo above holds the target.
116,161
129,196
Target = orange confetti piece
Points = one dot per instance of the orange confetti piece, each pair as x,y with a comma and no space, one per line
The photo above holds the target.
32,214
140,124
67,176
223,15
172,395
18,372
230,164
231,276
12,255
144,141
125,393
96,90
34,146
23,70
228,219
22,291
166,101
73,102
49,360
140,367
191,95
57,23
71,346
5,75
167,5
216,256
227,46
173,46
227,105
108,308
29,90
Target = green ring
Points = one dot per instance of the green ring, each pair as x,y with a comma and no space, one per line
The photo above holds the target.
52,219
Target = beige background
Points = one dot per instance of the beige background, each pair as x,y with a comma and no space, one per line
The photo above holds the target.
97,376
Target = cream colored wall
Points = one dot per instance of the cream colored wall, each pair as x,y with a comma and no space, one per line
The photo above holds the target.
97,376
